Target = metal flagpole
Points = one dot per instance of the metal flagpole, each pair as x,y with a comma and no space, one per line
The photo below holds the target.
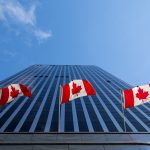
59,110
123,110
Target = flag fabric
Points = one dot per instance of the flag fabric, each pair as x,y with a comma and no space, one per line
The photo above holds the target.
76,89
9,93
136,96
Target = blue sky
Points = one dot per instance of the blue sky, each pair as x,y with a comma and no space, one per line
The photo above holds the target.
112,34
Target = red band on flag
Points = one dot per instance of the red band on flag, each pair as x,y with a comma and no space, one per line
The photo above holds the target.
88,88
128,98
65,94
26,91
4,96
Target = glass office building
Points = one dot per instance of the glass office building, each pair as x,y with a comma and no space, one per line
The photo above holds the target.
100,113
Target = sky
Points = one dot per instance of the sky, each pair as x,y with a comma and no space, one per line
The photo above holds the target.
111,34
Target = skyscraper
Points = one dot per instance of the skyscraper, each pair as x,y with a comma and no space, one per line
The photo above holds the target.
100,113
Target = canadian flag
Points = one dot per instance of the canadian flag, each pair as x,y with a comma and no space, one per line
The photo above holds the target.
136,96
12,91
76,89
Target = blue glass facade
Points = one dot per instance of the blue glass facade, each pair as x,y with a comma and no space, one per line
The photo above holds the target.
100,113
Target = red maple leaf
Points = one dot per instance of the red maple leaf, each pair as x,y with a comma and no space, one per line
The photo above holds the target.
76,89
142,95
14,93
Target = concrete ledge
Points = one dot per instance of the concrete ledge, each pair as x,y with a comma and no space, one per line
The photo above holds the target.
100,143
73,141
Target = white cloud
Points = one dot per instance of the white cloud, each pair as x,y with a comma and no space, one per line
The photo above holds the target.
10,53
13,12
42,35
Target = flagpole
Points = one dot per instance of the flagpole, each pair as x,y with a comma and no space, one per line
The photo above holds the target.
124,123
59,110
